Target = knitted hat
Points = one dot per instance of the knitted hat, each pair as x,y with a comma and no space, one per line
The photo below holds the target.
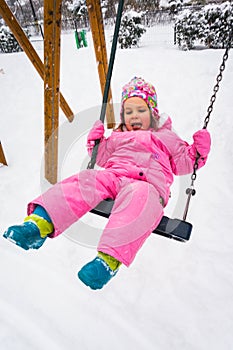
138,87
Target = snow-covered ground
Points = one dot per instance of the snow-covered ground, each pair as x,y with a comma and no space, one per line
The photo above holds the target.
174,295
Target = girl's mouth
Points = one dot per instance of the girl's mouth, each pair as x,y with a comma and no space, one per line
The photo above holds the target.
136,125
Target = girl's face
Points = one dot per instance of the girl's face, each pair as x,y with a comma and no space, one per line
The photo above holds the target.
136,114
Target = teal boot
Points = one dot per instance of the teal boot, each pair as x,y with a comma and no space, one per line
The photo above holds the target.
33,232
26,235
99,271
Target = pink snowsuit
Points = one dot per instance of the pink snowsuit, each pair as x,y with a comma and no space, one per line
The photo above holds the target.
138,172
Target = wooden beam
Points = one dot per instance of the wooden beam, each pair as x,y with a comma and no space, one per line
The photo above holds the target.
52,43
97,30
2,156
23,41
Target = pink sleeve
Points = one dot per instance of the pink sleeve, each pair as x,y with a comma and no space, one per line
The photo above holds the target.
182,155
106,148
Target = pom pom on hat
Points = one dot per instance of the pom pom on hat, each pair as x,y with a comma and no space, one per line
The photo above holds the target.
138,87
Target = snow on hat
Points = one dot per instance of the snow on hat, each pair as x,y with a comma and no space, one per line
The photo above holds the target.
138,87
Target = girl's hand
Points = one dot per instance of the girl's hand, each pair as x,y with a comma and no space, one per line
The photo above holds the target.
202,142
97,131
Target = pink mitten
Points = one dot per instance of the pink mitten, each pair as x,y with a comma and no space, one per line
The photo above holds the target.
97,131
202,142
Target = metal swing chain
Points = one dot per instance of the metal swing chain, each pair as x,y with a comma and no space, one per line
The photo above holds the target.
191,191
120,8
216,87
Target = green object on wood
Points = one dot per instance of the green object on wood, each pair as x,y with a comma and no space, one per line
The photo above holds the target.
83,36
80,38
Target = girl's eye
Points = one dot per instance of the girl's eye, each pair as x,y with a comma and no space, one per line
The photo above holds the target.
140,110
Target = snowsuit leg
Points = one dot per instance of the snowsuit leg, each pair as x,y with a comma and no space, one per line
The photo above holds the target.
135,214
68,200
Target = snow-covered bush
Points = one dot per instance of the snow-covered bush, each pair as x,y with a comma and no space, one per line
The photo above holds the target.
175,5
131,30
78,12
78,7
190,28
209,26
8,43
219,19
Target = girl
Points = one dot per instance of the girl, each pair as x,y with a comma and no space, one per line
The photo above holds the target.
139,160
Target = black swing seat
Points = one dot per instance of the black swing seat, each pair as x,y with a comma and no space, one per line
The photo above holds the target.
177,229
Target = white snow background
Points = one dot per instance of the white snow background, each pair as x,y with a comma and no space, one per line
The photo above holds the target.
174,295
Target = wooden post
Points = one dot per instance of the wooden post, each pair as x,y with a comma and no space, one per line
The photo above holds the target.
52,40
2,156
23,41
97,29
